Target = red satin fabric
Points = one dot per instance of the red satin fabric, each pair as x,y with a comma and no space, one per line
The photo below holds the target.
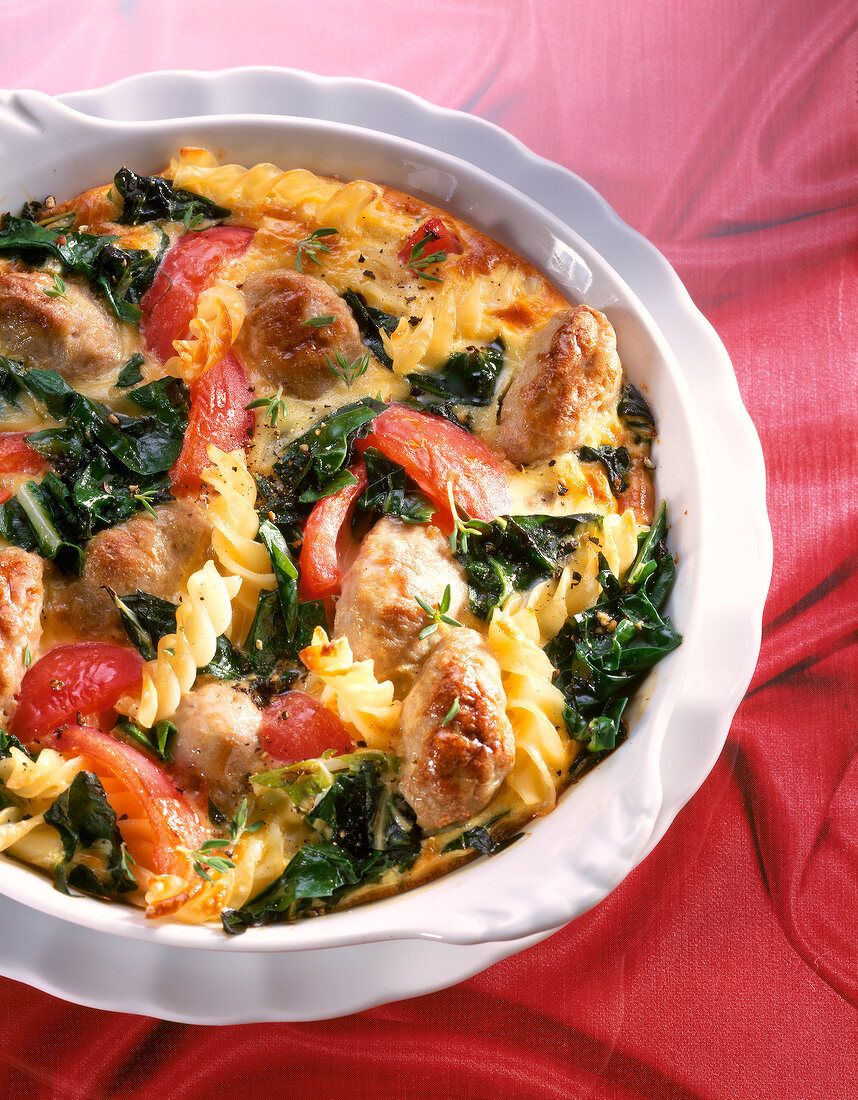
726,966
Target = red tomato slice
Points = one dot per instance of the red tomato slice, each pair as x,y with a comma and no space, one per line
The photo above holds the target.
218,416
327,539
435,454
17,458
83,676
187,269
296,727
173,819
443,240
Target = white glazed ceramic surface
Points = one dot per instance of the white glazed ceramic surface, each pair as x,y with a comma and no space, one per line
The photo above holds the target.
605,825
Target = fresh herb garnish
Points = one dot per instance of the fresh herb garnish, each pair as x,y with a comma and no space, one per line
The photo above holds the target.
312,245
274,405
419,259
463,526
455,707
437,614
344,370
203,857
58,289
318,322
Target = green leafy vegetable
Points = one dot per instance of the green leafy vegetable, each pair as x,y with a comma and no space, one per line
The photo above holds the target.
92,846
153,198
310,462
156,740
122,275
391,492
10,741
615,461
468,377
512,553
602,653
131,373
366,830
635,412
372,322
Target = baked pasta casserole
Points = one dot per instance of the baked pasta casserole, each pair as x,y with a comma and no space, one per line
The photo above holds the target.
329,552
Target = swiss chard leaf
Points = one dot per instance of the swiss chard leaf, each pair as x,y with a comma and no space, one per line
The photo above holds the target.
614,460
91,842
131,373
366,830
602,652
122,275
153,198
512,553
156,740
11,386
391,492
371,322
468,377
309,463
10,741
633,409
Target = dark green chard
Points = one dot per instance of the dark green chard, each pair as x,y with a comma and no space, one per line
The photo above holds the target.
122,275
512,553
313,465
614,460
603,652
468,377
94,860
106,466
153,198
391,492
366,829
371,323
633,409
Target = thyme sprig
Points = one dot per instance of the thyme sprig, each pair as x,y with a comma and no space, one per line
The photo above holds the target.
419,259
312,244
346,371
274,405
437,614
205,861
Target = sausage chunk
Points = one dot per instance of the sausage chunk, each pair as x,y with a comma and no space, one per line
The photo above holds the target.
73,335
156,554
276,343
20,619
378,610
450,771
570,374
216,746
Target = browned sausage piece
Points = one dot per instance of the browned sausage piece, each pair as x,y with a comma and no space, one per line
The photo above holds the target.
74,334
450,771
378,611
20,619
156,554
571,372
216,746
276,343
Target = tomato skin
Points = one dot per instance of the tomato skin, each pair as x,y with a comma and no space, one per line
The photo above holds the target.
17,458
444,240
435,453
297,727
188,268
218,416
326,538
173,819
82,676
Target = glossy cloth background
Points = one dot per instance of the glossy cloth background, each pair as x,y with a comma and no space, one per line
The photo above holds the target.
726,965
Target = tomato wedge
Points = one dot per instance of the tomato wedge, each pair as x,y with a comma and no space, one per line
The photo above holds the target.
83,677
173,819
218,416
16,457
297,727
441,239
437,454
188,268
327,540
